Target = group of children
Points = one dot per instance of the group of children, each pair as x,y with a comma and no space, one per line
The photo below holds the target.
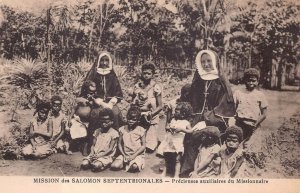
219,154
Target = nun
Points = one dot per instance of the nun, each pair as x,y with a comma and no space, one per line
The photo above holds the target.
212,102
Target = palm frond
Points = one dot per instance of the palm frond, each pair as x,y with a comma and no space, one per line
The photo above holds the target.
121,71
26,73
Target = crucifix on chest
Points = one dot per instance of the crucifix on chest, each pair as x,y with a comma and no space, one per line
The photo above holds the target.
206,93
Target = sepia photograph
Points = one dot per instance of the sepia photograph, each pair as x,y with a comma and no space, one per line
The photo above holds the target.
150,91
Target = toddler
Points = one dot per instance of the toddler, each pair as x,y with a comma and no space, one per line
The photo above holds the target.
172,146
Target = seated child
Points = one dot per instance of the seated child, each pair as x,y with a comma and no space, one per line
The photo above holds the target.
132,144
59,139
251,104
40,133
232,155
207,163
104,143
172,146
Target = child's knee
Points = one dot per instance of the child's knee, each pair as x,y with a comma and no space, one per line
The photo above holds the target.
26,151
97,166
85,164
117,165
134,168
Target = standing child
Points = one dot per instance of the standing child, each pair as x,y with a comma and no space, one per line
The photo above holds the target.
40,133
169,108
132,144
153,92
232,155
251,104
172,146
104,143
59,139
208,161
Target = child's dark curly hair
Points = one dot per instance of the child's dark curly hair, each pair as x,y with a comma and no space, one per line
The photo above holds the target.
133,112
106,112
185,109
251,72
212,134
185,93
148,66
44,105
56,98
236,131
86,85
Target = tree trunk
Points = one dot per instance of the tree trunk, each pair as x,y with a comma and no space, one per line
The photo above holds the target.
281,76
267,76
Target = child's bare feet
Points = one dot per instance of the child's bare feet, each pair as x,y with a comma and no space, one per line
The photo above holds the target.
69,152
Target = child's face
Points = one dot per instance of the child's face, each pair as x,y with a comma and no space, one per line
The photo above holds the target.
106,122
206,63
132,120
232,142
147,74
142,96
178,112
251,83
104,62
92,89
56,106
43,113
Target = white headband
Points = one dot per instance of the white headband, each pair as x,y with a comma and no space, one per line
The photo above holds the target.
212,75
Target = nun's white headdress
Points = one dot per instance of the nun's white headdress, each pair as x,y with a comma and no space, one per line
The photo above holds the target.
104,71
211,75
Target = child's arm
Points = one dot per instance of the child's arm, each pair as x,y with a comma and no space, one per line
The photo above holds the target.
72,115
31,134
49,132
120,144
168,113
140,150
110,148
194,174
62,132
188,129
237,166
93,145
204,163
50,128
159,104
262,117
